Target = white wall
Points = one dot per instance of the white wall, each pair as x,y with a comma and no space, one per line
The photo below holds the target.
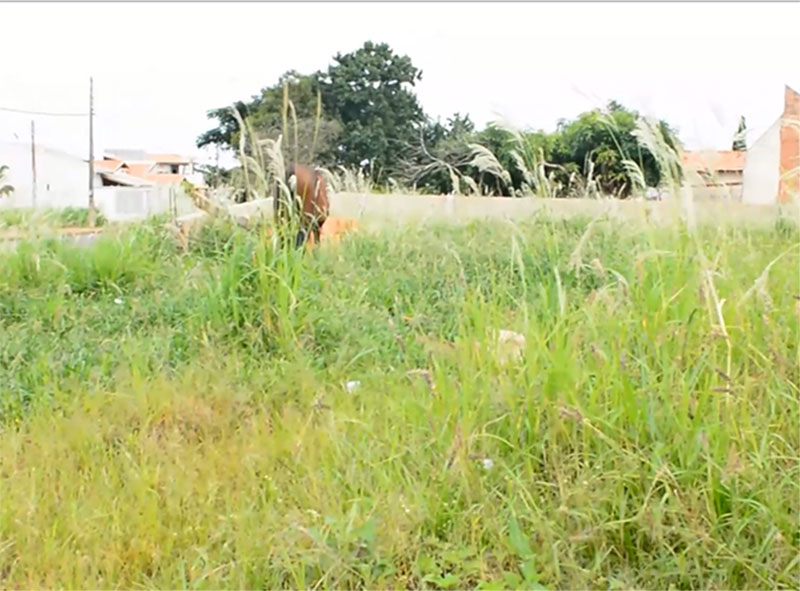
723,193
377,210
62,180
762,168
122,204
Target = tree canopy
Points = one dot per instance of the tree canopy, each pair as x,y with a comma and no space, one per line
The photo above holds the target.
598,142
739,140
368,91
361,112
5,190
264,113
367,111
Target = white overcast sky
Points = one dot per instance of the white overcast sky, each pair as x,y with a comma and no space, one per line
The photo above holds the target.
158,67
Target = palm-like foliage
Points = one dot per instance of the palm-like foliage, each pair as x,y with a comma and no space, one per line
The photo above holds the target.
4,189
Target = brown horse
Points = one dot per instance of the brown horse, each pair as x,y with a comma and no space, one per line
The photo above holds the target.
312,190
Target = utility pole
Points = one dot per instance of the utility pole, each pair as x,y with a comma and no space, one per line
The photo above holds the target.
33,162
91,154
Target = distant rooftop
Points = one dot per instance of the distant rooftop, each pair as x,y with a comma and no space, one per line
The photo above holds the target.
141,168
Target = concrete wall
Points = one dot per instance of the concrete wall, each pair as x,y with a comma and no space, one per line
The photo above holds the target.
381,210
729,193
761,171
124,204
62,180
422,208
727,185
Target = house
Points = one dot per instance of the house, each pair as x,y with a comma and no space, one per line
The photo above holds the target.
717,173
135,168
772,172
134,184
127,186
111,172
61,179
767,173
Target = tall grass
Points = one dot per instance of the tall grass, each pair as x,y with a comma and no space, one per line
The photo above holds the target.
64,217
242,415
184,420
540,178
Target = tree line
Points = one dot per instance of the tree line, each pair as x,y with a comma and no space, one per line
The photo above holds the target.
361,113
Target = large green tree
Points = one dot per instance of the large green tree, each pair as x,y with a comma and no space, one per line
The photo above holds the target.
226,133
310,134
362,110
367,112
369,92
599,141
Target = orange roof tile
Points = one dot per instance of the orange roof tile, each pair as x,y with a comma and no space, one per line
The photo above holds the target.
107,164
715,160
124,179
140,170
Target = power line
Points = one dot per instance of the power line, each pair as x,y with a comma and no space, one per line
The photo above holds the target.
43,113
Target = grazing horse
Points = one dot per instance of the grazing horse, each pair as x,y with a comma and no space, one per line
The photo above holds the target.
313,204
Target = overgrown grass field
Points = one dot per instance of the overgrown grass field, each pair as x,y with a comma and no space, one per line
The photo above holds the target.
16,218
240,417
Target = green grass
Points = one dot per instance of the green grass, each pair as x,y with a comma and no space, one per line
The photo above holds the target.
65,217
176,420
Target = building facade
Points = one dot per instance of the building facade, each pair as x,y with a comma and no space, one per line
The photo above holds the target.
715,173
43,177
772,172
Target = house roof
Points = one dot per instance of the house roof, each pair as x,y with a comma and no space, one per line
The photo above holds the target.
729,160
127,165
124,179
136,169
107,164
